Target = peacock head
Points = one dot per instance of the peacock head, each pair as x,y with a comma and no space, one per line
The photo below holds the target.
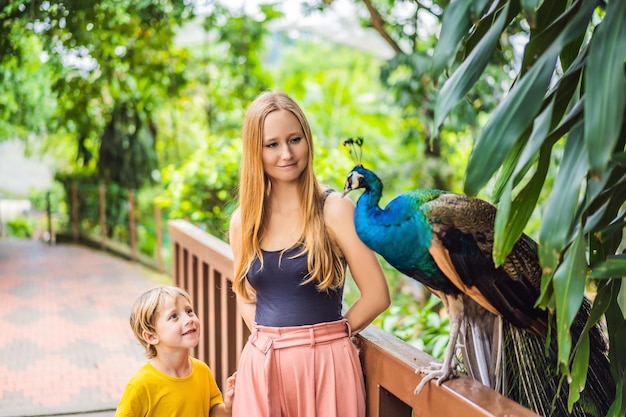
357,178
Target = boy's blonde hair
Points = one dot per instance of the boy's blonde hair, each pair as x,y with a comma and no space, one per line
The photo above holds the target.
145,312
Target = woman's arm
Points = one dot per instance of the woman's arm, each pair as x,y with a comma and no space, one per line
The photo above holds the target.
362,261
246,308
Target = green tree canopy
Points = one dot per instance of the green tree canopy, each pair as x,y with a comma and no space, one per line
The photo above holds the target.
110,65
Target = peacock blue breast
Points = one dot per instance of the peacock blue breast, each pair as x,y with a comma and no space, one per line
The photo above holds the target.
400,233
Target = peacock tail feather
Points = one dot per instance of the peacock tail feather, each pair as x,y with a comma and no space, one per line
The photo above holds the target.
533,378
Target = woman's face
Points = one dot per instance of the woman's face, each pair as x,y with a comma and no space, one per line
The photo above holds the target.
285,150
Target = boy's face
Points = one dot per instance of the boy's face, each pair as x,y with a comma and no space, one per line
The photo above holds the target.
177,326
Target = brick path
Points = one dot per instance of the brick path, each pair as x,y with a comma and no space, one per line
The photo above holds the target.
65,342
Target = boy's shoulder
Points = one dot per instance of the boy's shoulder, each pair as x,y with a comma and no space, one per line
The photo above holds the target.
200,366
197,362
145,370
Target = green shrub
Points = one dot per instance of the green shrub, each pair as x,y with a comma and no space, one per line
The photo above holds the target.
19,227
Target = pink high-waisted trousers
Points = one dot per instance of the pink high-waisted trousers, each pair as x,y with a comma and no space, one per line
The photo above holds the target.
301,371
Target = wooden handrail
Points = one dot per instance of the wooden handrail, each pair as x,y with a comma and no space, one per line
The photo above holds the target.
203,266
128,249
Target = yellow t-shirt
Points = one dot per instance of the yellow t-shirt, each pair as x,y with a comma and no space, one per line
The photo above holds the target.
150,392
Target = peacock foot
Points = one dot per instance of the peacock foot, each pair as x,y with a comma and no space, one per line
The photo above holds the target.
435,370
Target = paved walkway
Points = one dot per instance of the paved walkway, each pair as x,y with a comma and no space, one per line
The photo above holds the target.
65,343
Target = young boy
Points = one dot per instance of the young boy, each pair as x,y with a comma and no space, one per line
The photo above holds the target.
171,383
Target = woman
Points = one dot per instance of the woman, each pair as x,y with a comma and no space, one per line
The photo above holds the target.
292,240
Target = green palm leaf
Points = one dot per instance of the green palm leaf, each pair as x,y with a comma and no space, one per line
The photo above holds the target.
470,70
454,27
560,212
605,86
513,116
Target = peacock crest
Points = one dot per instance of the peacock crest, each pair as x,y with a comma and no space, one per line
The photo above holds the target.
355,147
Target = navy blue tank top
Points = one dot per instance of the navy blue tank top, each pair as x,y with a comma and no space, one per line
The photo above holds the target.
281,298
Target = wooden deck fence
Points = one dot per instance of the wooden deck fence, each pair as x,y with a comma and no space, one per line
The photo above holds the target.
127,249
203,266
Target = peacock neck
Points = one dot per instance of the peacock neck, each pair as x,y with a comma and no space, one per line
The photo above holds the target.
373,194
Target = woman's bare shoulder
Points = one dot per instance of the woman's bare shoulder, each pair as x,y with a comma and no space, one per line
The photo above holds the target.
338,208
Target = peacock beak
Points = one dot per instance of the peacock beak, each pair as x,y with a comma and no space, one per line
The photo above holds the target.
350,183
347,188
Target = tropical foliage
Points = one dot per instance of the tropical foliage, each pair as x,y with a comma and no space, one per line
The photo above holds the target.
577,66
108,65
566,107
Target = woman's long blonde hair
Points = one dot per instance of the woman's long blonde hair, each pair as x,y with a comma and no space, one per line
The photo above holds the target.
323,257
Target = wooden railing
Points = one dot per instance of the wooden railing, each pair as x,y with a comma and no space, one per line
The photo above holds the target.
203,266
88,222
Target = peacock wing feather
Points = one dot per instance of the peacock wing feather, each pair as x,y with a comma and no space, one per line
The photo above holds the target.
462,245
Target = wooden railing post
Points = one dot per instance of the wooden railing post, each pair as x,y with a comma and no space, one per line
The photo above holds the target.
75,211
49,218
131,224
159,236
103,216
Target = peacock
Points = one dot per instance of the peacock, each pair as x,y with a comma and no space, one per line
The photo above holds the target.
444,240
